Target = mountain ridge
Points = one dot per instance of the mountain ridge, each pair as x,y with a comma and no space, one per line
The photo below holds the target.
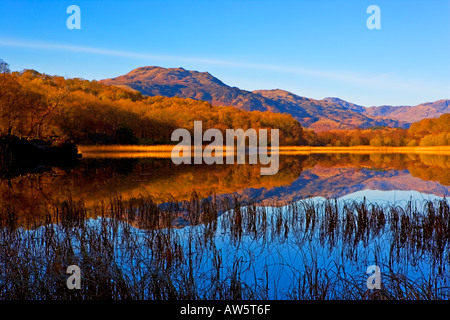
321,115
412,113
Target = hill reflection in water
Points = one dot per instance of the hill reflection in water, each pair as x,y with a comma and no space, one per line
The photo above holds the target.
299,177
237,234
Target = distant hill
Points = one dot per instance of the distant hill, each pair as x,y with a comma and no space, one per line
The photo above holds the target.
157,81
340,181
346,104
411,114
320,115
326,114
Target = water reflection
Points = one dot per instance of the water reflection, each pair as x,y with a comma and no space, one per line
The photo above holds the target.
308,249
144,228
299,177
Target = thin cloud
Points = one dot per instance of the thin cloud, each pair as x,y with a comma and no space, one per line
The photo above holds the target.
386,81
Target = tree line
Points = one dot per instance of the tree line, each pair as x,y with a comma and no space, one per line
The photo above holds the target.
39,106
52,108
427,132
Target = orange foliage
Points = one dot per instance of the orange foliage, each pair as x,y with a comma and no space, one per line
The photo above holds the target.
89,112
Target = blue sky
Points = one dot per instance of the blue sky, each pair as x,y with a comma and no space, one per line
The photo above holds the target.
315,49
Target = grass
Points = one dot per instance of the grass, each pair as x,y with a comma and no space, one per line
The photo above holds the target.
126,151
444,150
126,148
164,151
131,151
229,248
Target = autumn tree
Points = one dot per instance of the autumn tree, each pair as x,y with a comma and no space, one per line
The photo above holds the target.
4,67
37,105
24,106
431,132
12,100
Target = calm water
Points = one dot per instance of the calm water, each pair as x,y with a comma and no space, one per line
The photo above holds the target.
299,177
277,253
379,177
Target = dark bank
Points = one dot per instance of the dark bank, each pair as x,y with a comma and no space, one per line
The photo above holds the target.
18,155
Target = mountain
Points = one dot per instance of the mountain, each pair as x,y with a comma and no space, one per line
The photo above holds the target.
320,115
326,114
154,81
346,104
411,113
340,181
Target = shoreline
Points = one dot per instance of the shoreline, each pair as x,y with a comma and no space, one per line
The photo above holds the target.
160,150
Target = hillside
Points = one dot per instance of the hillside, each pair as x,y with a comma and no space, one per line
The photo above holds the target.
178,82
411,114
326,114
39,106
320,115
53,108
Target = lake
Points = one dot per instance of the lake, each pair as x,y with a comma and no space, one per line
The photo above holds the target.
142,227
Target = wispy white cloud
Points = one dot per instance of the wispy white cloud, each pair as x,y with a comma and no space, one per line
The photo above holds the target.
378,81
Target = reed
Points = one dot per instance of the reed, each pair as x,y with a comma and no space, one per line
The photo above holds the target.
228,248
